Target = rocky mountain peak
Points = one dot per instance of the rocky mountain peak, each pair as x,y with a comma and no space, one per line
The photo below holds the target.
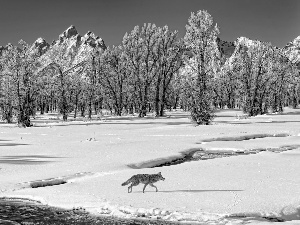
292,51
40,40
94,41
89,33
293,44
70,42
71,31
74,45
40,45
67,34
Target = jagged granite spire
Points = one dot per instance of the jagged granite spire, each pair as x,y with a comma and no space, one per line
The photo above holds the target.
40,45
75,45
94,41
71,31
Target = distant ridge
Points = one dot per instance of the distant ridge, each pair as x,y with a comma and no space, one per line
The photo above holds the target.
75,45
79,46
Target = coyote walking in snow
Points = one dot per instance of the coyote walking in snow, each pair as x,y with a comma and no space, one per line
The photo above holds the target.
143,178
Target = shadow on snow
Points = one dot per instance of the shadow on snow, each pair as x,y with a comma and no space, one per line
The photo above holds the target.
11,144
193,191
26,159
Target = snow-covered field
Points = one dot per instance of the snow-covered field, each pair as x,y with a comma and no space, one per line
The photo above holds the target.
92,158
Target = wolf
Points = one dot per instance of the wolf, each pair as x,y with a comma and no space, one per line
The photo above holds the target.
145,179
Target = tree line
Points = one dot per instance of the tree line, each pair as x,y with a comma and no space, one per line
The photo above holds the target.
151,71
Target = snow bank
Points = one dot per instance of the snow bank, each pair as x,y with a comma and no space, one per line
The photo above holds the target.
255,188
157,213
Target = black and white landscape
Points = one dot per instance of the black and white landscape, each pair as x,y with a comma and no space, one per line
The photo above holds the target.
218,118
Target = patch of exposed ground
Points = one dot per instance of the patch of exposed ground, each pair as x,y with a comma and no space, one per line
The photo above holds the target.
24,211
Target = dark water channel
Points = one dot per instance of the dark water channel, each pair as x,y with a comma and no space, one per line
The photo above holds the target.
201,154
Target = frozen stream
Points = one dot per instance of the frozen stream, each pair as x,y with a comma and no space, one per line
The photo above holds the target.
81,165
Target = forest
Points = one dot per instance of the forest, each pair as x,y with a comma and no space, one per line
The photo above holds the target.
151,71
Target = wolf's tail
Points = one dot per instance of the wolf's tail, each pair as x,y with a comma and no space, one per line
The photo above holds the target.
126,182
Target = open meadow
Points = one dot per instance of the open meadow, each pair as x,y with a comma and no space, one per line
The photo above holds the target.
237,170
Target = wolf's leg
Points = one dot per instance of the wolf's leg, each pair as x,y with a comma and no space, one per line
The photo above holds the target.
144,188
154,186
132,184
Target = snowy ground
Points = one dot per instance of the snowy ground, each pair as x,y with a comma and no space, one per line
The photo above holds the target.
92,158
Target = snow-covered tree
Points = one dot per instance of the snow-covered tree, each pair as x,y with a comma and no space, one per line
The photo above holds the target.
61,70
139,47
264,76
18,84
169,54
200,40
115,77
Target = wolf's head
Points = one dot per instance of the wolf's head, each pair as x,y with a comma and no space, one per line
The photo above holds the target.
160,176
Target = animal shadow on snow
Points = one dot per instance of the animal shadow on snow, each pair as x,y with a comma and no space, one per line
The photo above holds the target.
192,191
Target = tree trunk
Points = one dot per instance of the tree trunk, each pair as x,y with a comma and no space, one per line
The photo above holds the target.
96,107
82,109
42,107
65,117
75,112
176,102
76,104
90,108
157,97
163,98
143,108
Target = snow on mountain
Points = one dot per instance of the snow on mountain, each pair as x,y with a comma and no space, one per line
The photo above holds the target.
91,39
74,45
292,50
40,45
79,47
229,50
245,42
87,43
241,44
69,33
